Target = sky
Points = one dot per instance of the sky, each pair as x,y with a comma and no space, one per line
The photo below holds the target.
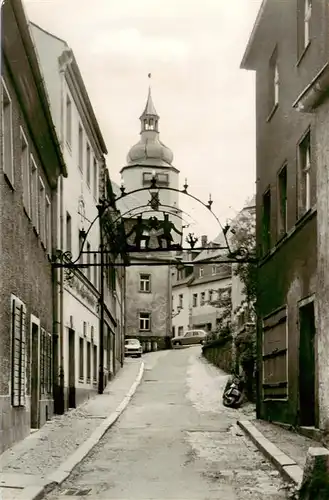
206,103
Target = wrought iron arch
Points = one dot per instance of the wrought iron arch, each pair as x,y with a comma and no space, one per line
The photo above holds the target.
115,231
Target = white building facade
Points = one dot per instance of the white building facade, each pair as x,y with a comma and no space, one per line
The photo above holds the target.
148,287
198,291
78,316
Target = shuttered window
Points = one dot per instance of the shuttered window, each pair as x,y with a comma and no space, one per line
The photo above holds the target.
18,365
275,369
45,362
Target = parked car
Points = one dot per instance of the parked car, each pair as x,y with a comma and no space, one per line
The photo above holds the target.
190,337
133,348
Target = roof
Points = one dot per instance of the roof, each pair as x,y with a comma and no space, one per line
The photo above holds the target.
245,59
183,282
149,108
211,279
43,98
77,74
211,253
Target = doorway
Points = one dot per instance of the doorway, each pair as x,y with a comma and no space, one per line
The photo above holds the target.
35,382
114,353
307,365
71,370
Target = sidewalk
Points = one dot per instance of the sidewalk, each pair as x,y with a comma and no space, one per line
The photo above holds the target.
47,456
286,449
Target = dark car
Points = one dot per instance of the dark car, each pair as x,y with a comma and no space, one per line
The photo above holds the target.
190,337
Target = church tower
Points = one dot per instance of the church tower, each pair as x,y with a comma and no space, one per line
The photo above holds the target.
148,157
148,287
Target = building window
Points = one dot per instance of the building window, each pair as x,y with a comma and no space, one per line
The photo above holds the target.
210,295
161,179
25,166
267,221
145,283
7,138
145,322
304,158
274,82
95,170
180,331
307,21
214,270
45,362
180,274
88,164
34,195
95,271
68,121
80,158
81,360
42,211
95,363
18,352
202,298
88,361
68,232
304,25
180,301
48,226
282,201
88,248
201,271
112,276
275,369
81,242
195,300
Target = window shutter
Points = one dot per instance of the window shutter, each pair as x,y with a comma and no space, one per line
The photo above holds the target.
42,361
18,388
49,363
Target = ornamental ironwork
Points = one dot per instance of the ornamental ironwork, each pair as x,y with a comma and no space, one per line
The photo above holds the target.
146,235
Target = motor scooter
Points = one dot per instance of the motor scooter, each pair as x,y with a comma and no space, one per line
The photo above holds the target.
233,392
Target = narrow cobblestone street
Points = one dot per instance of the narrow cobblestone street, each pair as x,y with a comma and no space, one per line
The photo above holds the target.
175,441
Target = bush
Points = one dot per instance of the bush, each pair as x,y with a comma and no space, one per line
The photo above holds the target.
245,344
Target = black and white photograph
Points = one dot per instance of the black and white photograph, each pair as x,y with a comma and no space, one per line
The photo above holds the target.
164,250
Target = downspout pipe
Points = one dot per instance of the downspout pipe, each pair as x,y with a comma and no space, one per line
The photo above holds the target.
101,301
122,318
64,60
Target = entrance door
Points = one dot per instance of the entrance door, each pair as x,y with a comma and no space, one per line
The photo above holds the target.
307,365
71,371
113,351
35,382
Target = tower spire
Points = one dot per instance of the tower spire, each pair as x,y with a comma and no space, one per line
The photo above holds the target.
149,117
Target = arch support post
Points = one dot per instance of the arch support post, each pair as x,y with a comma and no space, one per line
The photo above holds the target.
101,304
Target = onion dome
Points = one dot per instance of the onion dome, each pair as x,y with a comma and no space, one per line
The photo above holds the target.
150,150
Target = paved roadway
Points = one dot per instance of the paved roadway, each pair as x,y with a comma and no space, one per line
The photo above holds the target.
175,441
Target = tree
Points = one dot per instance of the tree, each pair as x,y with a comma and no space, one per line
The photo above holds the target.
243,235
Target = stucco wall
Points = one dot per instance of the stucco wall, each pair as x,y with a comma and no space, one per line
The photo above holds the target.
322,154
25,271
286,280
157,302
181,319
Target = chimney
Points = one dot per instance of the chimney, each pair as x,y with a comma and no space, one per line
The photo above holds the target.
204,240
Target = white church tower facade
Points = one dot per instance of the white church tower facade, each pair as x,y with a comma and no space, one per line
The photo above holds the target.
148,287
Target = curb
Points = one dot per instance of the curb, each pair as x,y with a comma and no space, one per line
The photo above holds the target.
287,467
65,469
